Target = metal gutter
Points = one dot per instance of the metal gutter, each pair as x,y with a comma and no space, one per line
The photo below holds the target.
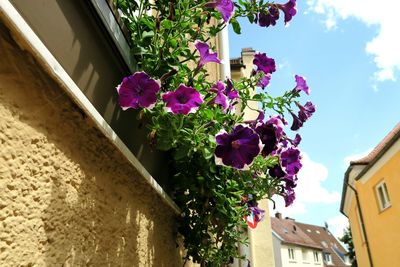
50,64
362,224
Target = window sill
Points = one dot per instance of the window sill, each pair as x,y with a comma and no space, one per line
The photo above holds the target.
385,208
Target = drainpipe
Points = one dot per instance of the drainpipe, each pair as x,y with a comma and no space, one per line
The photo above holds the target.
362,224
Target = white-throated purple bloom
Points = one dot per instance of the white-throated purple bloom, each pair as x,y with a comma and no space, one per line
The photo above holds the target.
264,63
183,100
206,55
225,7
291,160
238,148
289,9
301,84
138,91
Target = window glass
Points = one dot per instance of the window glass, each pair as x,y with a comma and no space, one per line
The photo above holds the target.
316,256
382,195
291,254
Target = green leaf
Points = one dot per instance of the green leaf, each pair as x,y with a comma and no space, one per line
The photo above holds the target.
166,24
236,26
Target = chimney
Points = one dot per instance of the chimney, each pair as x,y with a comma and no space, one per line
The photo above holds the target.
278,215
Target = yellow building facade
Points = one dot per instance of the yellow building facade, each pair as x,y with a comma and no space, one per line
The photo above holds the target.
371,201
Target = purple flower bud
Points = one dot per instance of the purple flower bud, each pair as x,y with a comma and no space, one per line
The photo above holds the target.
138,91
225,7
238,148
206,55
264,63
289,9
301,84
305,111
297,123
184,100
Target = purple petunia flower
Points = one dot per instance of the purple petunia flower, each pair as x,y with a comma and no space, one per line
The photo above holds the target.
138,91
276,171
225,7
265,20
220,98
257,213
289,9
230,92
296,141
267,134
291,160
278,123
301,84
184,100
289,197
264,63
206,55
238,148
306,111
264,81
270,133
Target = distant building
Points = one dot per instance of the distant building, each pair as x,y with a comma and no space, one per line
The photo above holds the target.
333,253
371,201
299,244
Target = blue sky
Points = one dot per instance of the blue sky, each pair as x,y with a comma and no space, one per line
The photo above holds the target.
351,60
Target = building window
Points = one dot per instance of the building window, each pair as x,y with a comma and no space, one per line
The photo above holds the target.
328,258
316,256
291,254
383,195
305,255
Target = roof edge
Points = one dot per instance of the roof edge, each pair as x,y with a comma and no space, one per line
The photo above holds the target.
379,156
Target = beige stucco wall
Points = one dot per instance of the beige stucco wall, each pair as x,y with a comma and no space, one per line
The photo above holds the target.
299,261
68,197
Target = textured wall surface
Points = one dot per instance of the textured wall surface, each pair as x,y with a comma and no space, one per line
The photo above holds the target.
67,196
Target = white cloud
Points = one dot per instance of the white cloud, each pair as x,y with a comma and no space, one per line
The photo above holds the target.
384,47
337,225
309,189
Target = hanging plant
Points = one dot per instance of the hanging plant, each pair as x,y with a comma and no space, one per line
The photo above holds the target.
222,164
